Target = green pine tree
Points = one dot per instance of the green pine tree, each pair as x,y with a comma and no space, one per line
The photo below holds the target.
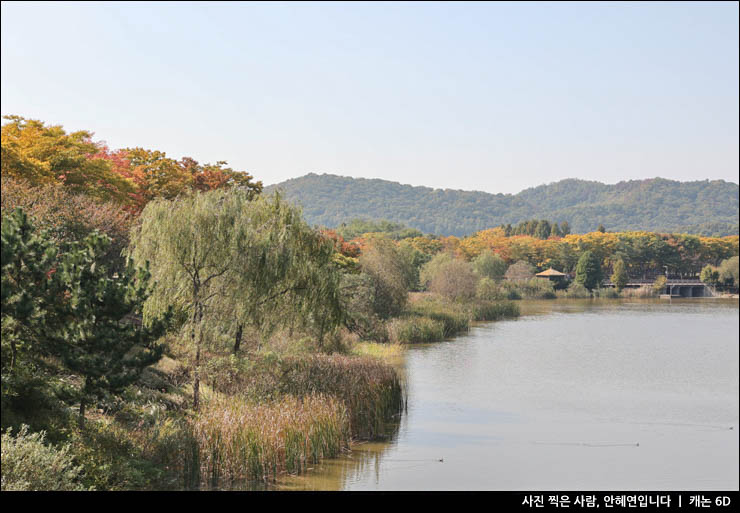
28,301
588,271
103,340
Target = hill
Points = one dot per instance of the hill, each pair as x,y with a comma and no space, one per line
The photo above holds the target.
700,207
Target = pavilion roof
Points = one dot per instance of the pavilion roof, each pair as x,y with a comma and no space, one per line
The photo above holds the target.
550,272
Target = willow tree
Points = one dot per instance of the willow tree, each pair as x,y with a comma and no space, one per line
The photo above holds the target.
226,260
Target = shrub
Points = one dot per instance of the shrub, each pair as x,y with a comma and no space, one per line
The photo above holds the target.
28,463
574,291
607,292
537,288
489,290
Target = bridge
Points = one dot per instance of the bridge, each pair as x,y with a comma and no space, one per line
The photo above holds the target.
675,287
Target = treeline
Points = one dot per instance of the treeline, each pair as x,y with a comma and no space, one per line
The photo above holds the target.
644,254
41,154
707,208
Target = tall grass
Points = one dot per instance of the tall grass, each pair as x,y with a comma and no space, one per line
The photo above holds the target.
644,291
489,311
454,317
415,329
370,389
239,440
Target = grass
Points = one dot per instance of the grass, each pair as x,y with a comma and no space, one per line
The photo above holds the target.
239,440
390,353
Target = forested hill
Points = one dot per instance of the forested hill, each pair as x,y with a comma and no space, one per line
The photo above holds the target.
702,207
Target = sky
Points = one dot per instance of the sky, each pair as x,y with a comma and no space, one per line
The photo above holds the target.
495,97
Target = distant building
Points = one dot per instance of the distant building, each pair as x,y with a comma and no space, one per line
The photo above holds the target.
552,275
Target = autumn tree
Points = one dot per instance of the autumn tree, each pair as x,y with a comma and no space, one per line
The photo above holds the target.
519,271
69,216
455,280
45,154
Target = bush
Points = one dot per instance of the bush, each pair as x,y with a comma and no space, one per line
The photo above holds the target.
489,290
29,464
607,292
416,329
574,291
144,452
536,288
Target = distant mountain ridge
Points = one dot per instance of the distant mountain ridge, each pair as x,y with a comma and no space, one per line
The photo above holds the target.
656,204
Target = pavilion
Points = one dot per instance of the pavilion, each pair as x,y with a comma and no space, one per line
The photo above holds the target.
552,275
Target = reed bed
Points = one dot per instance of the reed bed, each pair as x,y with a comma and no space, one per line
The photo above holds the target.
644,291
455,318
240,440
489,311
370,389
415,329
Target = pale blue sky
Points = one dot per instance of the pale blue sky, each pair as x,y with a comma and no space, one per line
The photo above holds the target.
481,96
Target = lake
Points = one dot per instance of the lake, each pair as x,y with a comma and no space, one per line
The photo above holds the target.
573,395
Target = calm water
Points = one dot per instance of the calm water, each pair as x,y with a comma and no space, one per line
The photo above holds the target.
614,394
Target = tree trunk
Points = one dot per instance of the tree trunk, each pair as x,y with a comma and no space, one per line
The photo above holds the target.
81,418
238,340
196,381
197,317
321,334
